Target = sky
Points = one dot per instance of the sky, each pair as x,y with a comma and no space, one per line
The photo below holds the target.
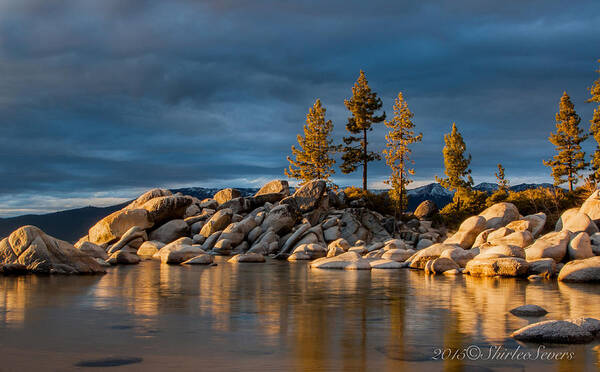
101,100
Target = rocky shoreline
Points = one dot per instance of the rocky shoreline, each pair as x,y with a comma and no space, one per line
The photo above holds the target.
319,225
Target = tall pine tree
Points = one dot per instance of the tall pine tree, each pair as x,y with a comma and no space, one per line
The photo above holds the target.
595,130
500,179
567,140
397,153
313,157
458,174
363,104
595,89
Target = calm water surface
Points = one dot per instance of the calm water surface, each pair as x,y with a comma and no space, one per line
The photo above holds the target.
277,317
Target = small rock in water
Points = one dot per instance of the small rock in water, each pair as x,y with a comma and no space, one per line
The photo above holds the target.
535,277
553,331
109,362
529,310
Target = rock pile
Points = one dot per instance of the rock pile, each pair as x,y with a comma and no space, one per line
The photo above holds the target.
316,224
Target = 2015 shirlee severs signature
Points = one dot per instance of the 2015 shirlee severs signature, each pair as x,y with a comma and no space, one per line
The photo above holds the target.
492,352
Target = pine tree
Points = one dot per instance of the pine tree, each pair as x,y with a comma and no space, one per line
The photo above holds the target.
458,175
397,152
595,89
502,182
363,104
567,140
595,130
312,158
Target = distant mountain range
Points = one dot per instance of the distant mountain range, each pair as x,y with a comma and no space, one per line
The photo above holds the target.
70,225
442,196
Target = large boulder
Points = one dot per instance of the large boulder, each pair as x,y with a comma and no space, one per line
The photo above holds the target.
397,254
420,258
537,222
226,195
308,251
202,259
41,253
132,234
574,221
237,231
497,251
123,257
580,247
383,264
345,261
587,270
426,210
467,232
247,258
553,331
499,215
178,251
518,238
92,250
149,248
502,266
543,266
309,195
440,265
552,245
275,187
280,219
148,195
114,226
217,222
591,207
170,231
459,255
166,208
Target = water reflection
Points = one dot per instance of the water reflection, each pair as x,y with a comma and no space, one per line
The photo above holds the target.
286,316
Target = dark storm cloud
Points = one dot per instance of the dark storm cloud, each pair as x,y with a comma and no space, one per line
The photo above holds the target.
110,96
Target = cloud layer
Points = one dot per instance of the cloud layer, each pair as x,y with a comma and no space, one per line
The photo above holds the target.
115,97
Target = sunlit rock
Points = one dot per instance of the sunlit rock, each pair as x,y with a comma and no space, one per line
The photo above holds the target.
43,254
587,270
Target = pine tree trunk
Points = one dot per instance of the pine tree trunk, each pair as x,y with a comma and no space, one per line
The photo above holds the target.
365,159
401,197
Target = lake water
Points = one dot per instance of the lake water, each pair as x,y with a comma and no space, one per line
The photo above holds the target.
280,316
